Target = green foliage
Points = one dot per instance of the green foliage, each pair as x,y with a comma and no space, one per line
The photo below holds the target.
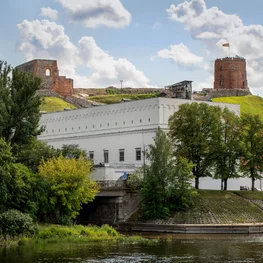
156,178
192,129
134,181
109,99
252,105
19,105
34,152
54,104
227,147
252,146
72,151
167,183
14,223
181,192
70,186
111,91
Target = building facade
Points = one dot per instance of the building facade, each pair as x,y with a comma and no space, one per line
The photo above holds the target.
48,71
230,74
114,136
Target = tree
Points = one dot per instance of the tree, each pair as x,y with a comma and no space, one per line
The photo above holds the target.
252,146
227,148
16,182
72,151
156,175
167,182
19,105
193,130
32,153
70,186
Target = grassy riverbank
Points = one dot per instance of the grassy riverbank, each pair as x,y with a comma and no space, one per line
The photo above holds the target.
72,234
217,207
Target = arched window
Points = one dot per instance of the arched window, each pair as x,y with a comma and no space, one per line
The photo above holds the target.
221,68
232,67
47,72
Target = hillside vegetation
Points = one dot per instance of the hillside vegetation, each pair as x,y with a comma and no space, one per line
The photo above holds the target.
115,98
53,104
248,104
219,207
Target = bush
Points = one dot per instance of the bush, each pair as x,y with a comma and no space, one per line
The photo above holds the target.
14,223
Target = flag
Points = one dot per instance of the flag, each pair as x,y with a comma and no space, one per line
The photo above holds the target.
225,45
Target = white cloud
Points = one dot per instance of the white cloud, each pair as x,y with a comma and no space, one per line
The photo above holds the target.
49,13
213,27
181,55
45,39
94,13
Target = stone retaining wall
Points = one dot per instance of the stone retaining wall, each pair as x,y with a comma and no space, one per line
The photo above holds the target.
193,229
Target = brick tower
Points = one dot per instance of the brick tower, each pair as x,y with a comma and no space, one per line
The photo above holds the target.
49,73
230,74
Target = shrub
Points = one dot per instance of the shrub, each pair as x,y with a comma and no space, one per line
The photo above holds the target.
14,223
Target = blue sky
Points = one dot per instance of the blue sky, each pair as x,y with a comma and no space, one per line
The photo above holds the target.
145,43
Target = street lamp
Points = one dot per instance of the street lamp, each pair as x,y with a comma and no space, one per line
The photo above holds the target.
121,83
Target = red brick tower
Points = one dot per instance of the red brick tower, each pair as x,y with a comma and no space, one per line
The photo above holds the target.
230,74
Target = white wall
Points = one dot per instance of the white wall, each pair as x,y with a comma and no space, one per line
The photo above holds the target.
127,126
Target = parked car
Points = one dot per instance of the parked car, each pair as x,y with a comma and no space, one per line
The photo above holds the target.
244,188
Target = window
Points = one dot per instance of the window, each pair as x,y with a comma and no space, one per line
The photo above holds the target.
79,128
47,72
131,122
106,156
221,68
138,152
100,125
221,83
140,120
58,130
91,155
232,67
121,154
108,124
243,84
72,128
66,129
123,122
86,127
93,126
116,123
149,120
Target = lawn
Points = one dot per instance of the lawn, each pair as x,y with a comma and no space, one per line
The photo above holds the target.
53,104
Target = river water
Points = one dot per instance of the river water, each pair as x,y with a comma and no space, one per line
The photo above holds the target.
171,248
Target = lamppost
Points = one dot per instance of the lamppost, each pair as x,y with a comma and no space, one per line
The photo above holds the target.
121,83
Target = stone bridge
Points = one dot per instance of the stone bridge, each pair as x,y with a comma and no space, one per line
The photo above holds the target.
114,203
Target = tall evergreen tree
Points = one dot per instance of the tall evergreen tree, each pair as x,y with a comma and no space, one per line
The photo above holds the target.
19,105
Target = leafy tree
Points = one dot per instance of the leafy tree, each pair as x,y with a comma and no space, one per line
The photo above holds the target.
19,105
16,181
70,186
156,176
180,191
193,130
227,148
252,144
72,151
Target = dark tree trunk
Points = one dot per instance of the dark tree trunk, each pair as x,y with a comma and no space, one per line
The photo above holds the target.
196,183
225,184
253,183
222,184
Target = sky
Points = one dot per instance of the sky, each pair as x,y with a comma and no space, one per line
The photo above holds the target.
144,43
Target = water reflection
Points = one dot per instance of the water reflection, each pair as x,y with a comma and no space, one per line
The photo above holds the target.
172,248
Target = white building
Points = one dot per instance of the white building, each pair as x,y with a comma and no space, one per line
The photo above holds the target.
114,135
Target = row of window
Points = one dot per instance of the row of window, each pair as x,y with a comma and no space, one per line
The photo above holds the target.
138,155
93,126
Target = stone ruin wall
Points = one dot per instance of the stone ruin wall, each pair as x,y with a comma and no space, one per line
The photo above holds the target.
52,81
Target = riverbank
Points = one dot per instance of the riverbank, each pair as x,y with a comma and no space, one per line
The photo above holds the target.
213,212
71,234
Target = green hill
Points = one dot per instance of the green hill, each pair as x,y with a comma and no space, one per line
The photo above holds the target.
53,104
248,104
115,98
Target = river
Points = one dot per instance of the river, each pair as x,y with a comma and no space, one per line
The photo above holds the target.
171,248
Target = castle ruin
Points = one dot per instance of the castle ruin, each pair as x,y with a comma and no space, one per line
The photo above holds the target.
48,71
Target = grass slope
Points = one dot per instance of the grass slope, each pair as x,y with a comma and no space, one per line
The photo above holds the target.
53,104
115,98
220,207
248,104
